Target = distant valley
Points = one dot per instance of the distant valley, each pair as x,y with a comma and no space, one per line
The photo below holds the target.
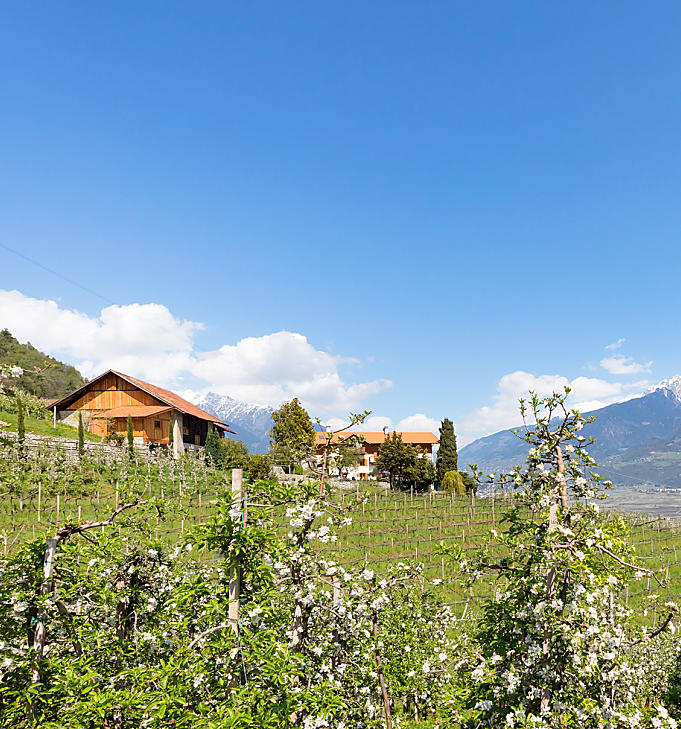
638,442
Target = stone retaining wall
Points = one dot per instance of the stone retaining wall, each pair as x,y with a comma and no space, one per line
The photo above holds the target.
35,443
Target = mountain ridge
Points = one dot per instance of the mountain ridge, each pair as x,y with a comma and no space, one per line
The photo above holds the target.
252,423
638,441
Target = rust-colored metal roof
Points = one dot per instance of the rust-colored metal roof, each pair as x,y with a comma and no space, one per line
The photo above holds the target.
170,398
134,411
165,396
376,438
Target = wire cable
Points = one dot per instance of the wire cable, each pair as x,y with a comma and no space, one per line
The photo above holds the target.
57,274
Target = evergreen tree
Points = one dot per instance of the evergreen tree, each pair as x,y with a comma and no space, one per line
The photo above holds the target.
21,426
234,453
396,458
259,466
292,431
170,436
447,457
131,441
213,448
81,436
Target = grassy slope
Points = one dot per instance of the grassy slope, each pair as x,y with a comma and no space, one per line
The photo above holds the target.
43,427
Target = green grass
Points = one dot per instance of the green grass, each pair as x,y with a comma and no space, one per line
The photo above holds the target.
44,427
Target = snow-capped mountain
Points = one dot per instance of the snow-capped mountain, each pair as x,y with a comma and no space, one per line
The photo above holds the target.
251,423
638,441
671,385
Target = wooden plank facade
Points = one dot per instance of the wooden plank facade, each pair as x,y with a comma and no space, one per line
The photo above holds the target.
108,400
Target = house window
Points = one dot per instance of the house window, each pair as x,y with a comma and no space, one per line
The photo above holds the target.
157,424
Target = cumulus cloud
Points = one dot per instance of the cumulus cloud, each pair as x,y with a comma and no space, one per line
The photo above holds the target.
275,367
148,341
412,423
588,393
418,423
141,339
621,365
374,423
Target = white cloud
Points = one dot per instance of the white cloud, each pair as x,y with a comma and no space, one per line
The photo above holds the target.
617,344
588,393
374,423
412,423
418,423
141,339
620,365
270,369
148,341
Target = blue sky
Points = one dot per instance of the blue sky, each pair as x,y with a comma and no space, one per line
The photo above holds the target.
430,196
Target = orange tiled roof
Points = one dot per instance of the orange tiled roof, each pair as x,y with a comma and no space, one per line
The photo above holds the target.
416,438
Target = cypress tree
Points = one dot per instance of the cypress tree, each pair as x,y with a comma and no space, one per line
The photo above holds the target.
21,426
131,442
81,436
447,457
213,448
170,436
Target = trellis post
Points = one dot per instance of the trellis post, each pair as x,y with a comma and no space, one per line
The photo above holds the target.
234,576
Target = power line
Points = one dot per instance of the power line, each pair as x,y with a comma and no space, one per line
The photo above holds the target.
57,274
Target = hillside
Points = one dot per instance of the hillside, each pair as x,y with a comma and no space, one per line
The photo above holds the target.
638,442
53,382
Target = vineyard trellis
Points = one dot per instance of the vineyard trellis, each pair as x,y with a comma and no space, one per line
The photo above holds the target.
276,603
387,526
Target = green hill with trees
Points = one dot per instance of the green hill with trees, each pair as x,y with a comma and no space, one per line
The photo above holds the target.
43,376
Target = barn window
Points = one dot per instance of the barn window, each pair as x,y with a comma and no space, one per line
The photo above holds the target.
157,423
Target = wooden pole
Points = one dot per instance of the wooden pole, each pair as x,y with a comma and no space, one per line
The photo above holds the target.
381,679
39,634
235,576
40,488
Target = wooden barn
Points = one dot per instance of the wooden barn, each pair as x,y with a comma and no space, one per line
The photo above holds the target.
108,400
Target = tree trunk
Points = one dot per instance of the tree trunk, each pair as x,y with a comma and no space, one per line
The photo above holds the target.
558,499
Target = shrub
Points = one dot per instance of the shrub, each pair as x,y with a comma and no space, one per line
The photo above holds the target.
259,466
34,407
114,438
453,482
469,482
